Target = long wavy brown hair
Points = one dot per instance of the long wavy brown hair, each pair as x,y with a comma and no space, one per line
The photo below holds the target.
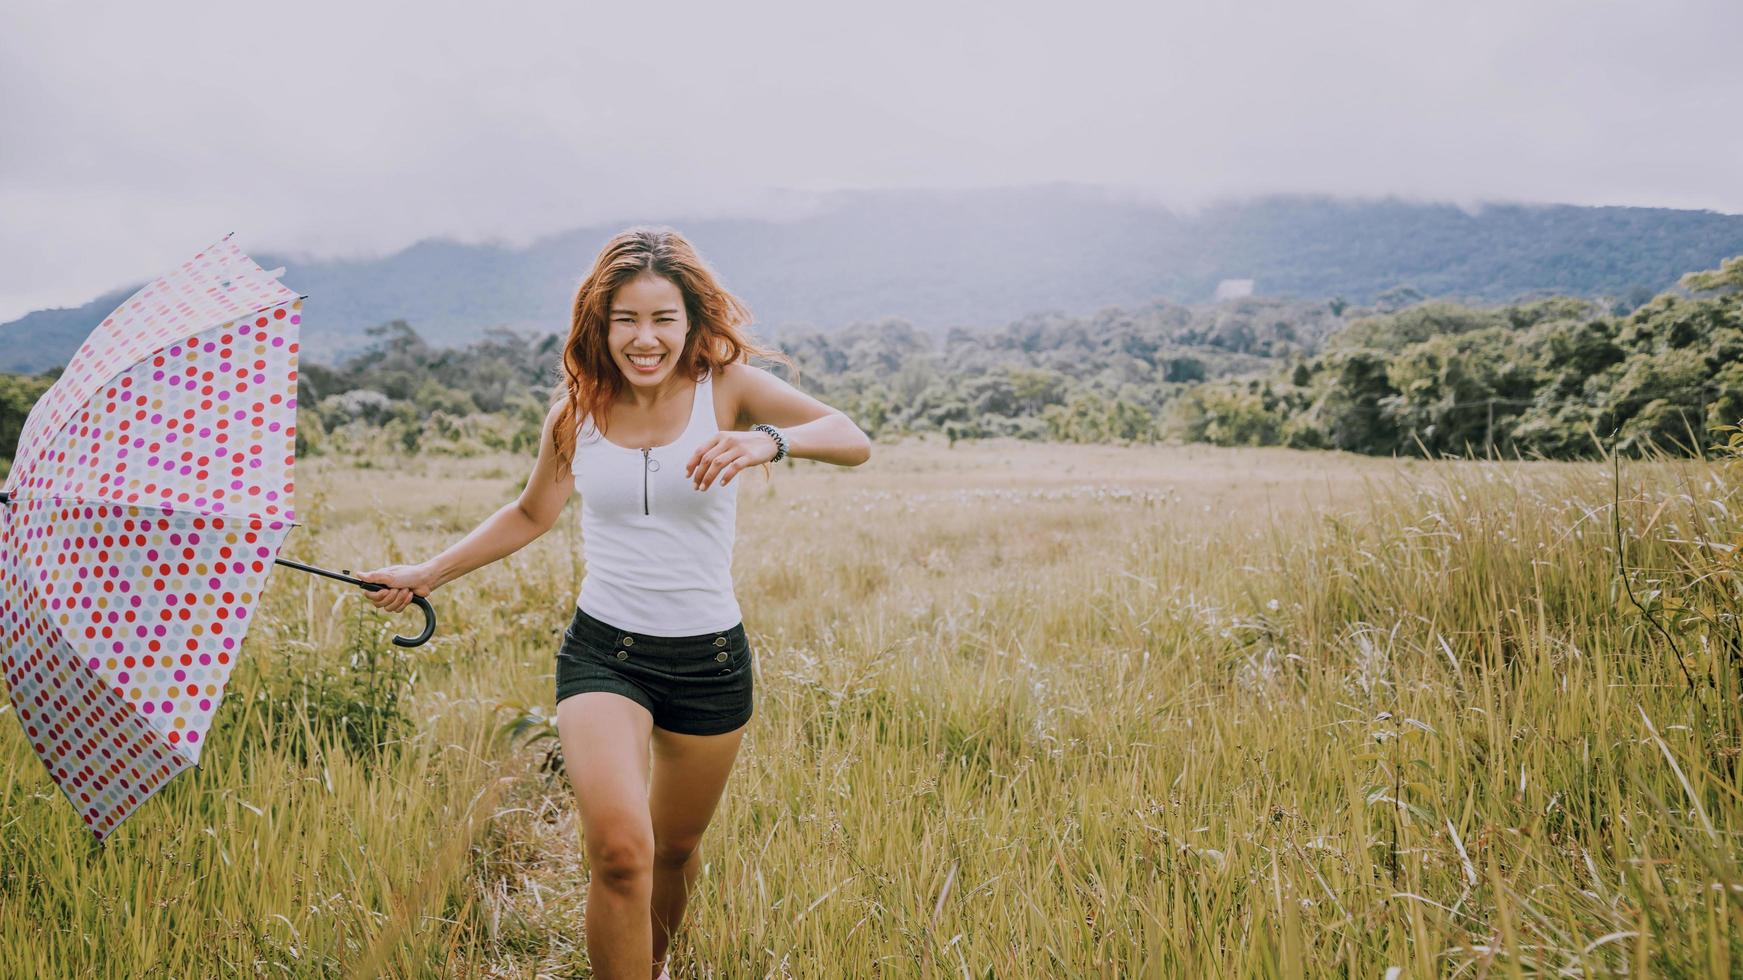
718,324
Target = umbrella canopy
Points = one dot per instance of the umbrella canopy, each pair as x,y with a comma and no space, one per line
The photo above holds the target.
149,495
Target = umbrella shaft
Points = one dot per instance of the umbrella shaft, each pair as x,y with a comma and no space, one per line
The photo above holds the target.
371,586
6,499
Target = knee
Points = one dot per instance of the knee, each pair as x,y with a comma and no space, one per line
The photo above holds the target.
622,859
674,852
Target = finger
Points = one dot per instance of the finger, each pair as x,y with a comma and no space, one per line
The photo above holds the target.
716,465
704,473
731,471
729,464
700,475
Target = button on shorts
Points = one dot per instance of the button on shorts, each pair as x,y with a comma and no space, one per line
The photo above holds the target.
694,685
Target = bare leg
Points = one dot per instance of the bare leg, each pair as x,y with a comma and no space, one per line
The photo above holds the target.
689,776
605,751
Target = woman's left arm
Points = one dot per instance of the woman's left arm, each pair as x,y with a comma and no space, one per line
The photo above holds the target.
812,429
833,438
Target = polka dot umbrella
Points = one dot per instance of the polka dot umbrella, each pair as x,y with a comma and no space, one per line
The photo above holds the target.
148,498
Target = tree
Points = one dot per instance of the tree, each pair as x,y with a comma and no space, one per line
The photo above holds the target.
1348,410
1396,331
1727,278
1457,391
1181,370
1083,418
18,393
1034,389
1226,416
1129,422
1397,298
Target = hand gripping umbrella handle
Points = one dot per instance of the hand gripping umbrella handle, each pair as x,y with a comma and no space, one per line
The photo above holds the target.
345,576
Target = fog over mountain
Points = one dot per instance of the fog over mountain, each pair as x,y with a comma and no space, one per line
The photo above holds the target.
981,258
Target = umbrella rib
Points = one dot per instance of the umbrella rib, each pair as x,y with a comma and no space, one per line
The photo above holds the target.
48,435
18,497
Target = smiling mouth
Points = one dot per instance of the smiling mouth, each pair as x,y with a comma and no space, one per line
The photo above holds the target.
646,360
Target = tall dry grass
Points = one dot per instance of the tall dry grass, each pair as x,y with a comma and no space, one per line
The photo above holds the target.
1022,711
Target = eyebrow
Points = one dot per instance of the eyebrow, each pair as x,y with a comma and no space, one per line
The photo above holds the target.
632,312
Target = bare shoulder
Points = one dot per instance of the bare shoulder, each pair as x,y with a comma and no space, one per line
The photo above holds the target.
731,378
548,441
552,479
551,414
759,395
553,411
740,385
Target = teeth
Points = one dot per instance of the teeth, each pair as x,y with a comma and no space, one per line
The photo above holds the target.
646,361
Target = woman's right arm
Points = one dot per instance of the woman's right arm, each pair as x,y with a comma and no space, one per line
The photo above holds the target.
510,529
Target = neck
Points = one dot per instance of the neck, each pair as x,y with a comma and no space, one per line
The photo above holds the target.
647,398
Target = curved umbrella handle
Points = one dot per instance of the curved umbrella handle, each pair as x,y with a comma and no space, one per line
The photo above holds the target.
345,576
429,618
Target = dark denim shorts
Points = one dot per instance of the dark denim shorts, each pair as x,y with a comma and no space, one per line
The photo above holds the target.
694,685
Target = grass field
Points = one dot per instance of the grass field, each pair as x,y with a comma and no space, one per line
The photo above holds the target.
1022,711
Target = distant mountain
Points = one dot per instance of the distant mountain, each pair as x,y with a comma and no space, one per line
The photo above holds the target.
984,258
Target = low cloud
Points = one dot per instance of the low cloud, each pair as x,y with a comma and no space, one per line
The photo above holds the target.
139,135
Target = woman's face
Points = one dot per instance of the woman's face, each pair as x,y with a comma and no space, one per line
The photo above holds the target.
647,318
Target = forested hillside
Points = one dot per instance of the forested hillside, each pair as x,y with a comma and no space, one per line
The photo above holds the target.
940,260
1559,377
1554,378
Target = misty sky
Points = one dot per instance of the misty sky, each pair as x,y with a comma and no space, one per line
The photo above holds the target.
133,136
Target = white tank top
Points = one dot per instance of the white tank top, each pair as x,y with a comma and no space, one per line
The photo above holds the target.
658,551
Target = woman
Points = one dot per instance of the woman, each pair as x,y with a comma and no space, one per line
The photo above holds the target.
656,655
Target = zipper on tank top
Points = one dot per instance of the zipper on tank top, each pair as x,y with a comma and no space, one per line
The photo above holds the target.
649,464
